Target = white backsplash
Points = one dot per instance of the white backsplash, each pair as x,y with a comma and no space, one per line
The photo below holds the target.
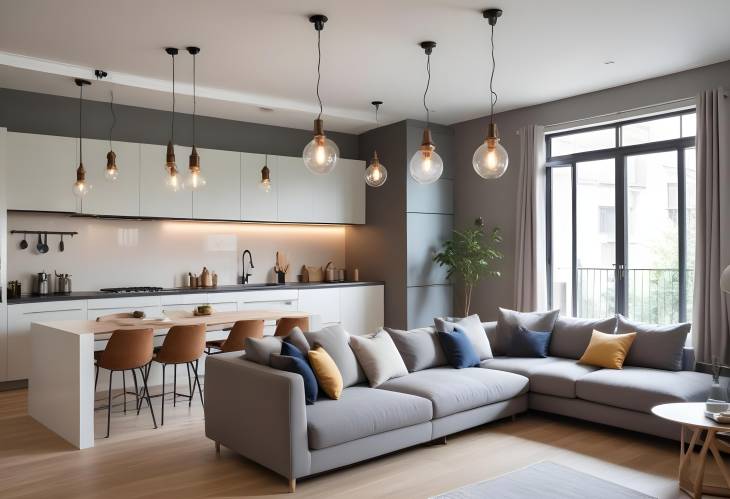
115,253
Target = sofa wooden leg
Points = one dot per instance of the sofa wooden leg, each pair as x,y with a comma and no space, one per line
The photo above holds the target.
292,485
218,448
439,441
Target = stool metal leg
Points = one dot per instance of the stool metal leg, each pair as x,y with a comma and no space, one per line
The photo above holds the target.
136,388
96,378
162,403
146,395
124,389
174,385
109,406
190,386
197,380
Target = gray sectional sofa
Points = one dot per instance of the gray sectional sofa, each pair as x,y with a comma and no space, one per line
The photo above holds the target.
260,412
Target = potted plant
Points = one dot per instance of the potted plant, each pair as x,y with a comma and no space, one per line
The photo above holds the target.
471,254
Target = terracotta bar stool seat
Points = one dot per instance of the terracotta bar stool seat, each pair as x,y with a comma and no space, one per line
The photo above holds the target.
126,350
236,340
286,324
182,345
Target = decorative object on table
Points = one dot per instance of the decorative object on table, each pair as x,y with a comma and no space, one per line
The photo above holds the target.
81,187
546,480
716,406
206,309
329,272
14,289
320,155
138,314
490,160
426,166
469,256
717,392
281,267
376,174
722,417
172,178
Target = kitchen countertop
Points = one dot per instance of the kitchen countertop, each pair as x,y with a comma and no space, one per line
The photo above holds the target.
92,295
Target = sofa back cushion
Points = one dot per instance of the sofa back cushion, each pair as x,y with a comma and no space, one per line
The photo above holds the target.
458,349
472,327
509,320
419,348
378,357
336,341
571,335
260,349
526,343
655,346
296,337
300,367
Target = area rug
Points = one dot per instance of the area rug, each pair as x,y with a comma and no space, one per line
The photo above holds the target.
545,480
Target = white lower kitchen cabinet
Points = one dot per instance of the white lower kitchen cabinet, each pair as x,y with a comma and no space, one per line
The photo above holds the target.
18,337
155,198
220,199
278,299
117,198
323,302
362,309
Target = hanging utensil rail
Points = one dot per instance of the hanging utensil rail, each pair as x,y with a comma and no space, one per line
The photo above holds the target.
44,232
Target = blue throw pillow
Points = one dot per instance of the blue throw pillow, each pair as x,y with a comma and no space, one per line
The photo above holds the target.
526,343
291,351
300,367
458,349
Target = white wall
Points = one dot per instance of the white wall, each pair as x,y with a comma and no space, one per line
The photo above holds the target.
112,253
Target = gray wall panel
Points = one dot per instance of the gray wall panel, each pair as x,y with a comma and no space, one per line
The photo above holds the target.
426,234
427,302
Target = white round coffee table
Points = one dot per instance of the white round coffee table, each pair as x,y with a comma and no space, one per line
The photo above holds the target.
691,415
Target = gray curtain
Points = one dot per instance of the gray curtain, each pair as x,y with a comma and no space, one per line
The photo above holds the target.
530,274
711,325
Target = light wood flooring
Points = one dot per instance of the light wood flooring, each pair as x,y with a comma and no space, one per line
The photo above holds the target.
177,460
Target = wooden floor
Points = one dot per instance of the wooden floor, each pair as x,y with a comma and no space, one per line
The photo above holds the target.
178,461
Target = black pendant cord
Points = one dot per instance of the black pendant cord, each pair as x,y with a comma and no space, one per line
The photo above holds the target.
428,84
195,117
81,110
172,118
114,117
319,66
493,94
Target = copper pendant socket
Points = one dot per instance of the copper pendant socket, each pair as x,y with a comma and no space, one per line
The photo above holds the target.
111,160
265,174
427,145
170,162
319,127
376,160
80,173
194,163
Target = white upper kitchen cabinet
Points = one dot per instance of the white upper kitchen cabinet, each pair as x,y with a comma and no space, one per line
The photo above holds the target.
41,170
339,196
257,205
295,188
220,199
120,197
156,200
354,179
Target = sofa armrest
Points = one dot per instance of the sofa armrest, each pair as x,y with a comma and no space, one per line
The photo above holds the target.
688,359
491,329
258,412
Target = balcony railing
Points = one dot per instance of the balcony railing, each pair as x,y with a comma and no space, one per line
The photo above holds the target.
653,294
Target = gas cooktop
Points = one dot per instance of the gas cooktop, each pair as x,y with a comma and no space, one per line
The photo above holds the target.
133,289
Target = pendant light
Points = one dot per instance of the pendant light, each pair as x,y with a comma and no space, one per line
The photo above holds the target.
320,154
265,184
112,172
194,180
376,174
81,187
490,160
172,180
426,166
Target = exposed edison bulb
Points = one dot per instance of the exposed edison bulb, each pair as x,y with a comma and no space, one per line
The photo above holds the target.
172,180
80,188
375,174
111,174
426,166
265,185
490,160
320,155
194,180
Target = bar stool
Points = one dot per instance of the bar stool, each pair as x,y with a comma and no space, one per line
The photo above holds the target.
236,340
126,350
286,324
182,345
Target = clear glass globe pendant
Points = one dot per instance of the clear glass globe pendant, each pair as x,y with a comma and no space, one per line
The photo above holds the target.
81,187
375,174
490,160
112,172
426,166
265,184
172,178
320,154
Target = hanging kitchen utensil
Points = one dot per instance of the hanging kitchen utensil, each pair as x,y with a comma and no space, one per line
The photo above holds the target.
24,242
39,246
44,247
61,246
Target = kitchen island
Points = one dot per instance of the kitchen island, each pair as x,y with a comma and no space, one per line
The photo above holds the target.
61,386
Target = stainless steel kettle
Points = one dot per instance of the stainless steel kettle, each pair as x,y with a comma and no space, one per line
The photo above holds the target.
42,283
63,283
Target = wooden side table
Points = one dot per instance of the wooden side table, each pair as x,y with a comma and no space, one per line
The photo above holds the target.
691,415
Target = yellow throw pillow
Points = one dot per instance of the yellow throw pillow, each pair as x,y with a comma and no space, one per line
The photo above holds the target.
326,371
607,350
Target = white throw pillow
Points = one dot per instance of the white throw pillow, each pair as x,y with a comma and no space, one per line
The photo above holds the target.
474,330
378,357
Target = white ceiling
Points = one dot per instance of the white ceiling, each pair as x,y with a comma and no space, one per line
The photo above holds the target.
261,53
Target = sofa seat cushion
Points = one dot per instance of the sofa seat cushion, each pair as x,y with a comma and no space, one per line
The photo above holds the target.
558,378
456,390
361,412
523,366
641,388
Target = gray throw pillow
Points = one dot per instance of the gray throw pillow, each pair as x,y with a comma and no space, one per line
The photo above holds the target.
378,357
571,335
472,327
419,348
336,342
509,320
259,350
655,346
296,337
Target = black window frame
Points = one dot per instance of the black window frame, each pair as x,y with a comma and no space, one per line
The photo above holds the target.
619,154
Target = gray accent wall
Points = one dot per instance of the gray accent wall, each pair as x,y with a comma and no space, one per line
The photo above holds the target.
54,115
496,200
